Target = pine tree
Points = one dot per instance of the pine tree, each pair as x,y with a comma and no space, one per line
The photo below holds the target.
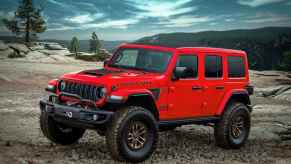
27,21
95,44
74,46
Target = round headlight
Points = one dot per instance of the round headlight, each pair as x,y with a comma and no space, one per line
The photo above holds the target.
62,85
102,92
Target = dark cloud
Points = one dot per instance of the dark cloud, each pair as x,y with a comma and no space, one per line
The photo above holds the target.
131,19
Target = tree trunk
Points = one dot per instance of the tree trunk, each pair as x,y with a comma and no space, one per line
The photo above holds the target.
27,34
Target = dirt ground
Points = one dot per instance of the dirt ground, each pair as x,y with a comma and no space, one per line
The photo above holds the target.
21,141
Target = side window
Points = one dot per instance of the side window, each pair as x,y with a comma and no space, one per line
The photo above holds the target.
213,66
191,64
236,66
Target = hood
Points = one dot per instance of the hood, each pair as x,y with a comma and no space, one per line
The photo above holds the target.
111,76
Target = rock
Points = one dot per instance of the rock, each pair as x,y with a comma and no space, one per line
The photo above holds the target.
54,46
285,95
46,56
6,53
3,46
282,92
284,81
8,144
35,55
55,52
37,47
19,47
270,91
268,73
85,54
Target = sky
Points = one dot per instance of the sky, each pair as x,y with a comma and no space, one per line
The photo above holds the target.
133,19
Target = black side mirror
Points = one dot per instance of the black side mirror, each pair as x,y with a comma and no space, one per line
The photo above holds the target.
178,73
106,62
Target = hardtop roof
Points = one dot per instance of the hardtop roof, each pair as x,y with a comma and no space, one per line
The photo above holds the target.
184,49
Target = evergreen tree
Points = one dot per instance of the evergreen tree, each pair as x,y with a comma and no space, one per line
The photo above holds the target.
287,60
27,20
74,46
95,44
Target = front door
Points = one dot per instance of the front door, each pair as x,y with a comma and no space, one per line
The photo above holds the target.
185,94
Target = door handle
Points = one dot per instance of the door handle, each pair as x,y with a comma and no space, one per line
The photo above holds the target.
219,87
196,88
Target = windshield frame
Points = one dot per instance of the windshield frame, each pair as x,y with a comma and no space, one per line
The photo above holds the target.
117,52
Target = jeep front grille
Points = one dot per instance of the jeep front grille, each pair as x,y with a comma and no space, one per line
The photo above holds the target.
85,91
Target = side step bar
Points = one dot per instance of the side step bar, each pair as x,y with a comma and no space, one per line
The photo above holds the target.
199,121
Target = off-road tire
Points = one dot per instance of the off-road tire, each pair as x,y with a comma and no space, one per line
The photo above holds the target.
51,129
222,130
117,131
100,132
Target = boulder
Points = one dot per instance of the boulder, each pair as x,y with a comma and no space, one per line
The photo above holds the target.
6,53
19,47
3,46
273,91
286,95
54,46
55,52
37,47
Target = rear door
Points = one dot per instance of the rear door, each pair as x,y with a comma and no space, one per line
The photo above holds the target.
185,94
214,88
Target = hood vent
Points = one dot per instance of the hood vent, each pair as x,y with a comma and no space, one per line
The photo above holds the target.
100,72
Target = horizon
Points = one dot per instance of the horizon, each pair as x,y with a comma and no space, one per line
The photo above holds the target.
87,39
128,20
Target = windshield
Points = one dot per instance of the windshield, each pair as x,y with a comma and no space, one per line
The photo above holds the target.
141,59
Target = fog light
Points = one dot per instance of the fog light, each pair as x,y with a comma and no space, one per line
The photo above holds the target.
95,117
113,97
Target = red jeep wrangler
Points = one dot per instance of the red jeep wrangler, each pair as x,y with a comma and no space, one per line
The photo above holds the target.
146,89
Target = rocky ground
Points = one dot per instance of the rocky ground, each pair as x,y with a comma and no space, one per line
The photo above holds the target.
21,141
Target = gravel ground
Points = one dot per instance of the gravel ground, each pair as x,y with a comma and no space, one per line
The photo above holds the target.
21,141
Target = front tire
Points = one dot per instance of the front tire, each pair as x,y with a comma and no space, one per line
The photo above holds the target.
132,135
233,129
59,133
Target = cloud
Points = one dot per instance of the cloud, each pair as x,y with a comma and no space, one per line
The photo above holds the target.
229,20
121,24
256,3
117,24
86,4
184,21
85,18
7,15
269,18
151,8
55,2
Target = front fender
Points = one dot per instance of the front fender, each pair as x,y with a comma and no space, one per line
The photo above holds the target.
125,94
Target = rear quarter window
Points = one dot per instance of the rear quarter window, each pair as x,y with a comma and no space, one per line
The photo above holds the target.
236,66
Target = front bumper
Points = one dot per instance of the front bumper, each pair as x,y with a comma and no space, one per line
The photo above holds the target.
76,116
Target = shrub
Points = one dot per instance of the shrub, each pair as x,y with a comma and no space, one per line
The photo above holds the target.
99,57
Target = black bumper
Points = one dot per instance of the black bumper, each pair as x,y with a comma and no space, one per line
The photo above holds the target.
76,116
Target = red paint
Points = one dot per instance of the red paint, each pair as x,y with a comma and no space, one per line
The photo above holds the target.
177,98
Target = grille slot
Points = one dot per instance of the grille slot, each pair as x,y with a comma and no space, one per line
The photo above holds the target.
83,90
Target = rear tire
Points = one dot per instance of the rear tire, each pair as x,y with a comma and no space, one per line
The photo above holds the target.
233,129
132,135
59,133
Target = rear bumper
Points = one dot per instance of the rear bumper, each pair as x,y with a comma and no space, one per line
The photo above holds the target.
76,116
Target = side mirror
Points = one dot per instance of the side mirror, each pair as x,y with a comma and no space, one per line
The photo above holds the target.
178,73
106,62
